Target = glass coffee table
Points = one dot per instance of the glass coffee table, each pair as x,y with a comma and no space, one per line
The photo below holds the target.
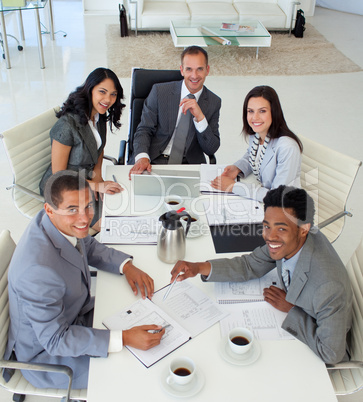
249,33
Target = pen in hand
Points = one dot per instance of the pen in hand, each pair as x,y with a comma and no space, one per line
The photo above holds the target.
171,286
157,331
114,178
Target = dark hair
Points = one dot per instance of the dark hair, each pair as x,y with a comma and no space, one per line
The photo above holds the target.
194,50
295,198
278,126
80,101
63,180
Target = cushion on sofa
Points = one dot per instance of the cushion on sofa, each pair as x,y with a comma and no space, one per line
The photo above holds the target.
271,15
215,11
157,14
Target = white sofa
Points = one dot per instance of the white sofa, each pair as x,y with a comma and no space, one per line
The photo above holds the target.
156,14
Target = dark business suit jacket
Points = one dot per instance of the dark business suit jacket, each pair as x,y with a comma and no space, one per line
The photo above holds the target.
320,290
84,153
158,122
51,309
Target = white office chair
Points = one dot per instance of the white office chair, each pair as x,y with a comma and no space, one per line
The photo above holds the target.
29,152
18,384
28,148
328,176
348,377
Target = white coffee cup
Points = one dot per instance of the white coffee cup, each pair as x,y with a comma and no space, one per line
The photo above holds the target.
240,340
195,225
181,371
173,202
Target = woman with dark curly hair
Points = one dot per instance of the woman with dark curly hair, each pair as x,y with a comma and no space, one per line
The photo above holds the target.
274,152
79,136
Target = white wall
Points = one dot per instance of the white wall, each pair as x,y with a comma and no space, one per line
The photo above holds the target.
348,6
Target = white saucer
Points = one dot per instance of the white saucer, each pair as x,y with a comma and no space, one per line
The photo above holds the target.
183,391
240,360
191,235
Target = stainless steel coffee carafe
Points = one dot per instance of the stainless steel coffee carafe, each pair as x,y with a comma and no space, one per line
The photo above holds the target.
171,239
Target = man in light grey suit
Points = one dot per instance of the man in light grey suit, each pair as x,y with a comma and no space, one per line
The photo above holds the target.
316,293
162,109
51,309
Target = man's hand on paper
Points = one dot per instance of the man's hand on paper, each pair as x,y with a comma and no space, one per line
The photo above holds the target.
140,337
141,165
277,298
140,278
190,270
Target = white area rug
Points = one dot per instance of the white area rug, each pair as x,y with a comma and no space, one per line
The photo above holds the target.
312,54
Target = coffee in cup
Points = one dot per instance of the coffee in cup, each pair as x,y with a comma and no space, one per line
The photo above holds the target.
240,340
195,225
173,202
181,371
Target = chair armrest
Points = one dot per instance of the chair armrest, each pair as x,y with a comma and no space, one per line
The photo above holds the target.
27,191
212,159
56,368
333,219
110,158
122,153
345,365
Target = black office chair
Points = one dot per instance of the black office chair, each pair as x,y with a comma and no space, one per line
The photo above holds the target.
142,81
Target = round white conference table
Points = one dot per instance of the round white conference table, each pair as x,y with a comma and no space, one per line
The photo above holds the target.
286,370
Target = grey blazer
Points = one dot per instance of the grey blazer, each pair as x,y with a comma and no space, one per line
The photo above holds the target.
84,153
280,165
158,122
51,309
320,290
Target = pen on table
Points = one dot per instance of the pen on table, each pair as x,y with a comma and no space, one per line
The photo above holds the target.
157,331
171,286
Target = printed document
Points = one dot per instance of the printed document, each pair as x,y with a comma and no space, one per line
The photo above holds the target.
130,229
239,292
264,320
187,309
233,210
207,174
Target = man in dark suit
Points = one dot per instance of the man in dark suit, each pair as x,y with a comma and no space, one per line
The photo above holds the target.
155,135
51,309
316,292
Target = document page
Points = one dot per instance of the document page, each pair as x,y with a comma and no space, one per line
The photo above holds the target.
236,210
145,312
130,229
207,174
264,320
190,307
239,292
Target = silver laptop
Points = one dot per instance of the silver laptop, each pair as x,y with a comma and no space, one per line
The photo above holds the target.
167,182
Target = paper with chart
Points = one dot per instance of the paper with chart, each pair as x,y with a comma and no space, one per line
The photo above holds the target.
264,320
130,229
187,309
145,312
233,210
209,172
192,308
239,292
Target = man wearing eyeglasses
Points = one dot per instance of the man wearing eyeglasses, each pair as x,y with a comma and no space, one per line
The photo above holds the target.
51,309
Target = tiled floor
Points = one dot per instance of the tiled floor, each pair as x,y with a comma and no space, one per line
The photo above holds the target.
326,108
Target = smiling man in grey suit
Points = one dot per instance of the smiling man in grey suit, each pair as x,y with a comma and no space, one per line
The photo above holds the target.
316,293
155,135
51,309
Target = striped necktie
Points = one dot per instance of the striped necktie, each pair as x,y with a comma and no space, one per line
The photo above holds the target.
180,137
285,276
